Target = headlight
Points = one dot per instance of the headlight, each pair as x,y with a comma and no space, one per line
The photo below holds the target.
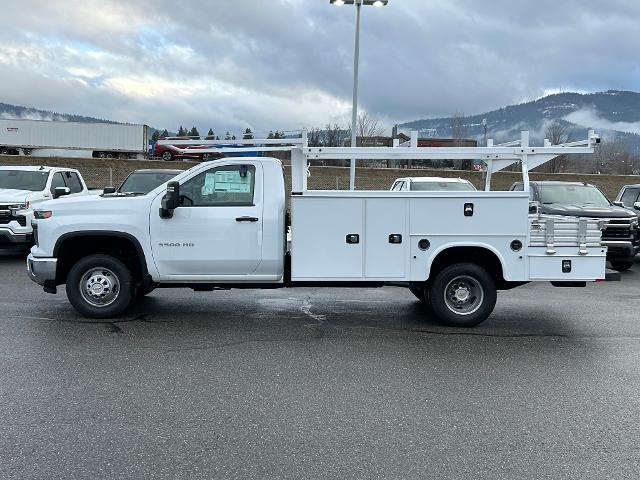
42,214
17,207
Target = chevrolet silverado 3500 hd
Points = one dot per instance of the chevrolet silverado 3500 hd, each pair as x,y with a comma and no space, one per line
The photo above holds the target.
222,224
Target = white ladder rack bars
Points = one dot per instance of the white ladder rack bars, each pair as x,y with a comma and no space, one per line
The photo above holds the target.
496,157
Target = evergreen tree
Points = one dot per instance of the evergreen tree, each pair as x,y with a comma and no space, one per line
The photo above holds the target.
233,138
164,134
271,136
210,134
154,137
194,132
227,136
182,132
248,134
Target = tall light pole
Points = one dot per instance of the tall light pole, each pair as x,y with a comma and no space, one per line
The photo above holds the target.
484,125
356,63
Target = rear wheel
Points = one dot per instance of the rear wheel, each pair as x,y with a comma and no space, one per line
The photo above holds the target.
462,295
621,265
100,286
167,156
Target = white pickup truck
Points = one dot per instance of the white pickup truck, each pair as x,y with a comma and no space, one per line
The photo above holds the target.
222,224
23,188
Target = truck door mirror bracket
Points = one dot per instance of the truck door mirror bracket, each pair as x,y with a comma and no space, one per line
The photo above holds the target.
171,200
61,191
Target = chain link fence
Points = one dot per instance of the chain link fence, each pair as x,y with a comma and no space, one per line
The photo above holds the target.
100,173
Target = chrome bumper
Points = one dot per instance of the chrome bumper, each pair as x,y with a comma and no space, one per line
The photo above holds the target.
42,270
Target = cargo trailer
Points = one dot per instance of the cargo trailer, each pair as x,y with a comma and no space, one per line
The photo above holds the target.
73,139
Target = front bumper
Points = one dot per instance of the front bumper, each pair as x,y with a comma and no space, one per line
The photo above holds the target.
9,237
620,249
43,271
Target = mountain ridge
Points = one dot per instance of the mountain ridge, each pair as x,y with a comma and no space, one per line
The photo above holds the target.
613,113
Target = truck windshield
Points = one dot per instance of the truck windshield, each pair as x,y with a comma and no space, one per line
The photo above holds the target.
34,181
144,182
579,195
441,186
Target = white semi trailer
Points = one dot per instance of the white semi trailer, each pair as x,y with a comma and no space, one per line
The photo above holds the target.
73,139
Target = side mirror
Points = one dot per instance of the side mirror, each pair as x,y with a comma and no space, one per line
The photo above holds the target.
618,204
61,191
636,206
171,200
109,190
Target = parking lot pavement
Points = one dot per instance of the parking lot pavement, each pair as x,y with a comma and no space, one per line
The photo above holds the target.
320,383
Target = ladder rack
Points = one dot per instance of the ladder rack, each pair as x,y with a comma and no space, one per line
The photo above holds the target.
496,157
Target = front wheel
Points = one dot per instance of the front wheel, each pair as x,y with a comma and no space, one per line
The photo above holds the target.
100,286
167,156
462,295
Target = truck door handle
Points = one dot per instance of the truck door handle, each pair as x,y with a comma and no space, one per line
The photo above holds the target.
247,219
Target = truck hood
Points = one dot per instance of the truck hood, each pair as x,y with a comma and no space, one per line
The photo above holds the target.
591,211
95,204
18,196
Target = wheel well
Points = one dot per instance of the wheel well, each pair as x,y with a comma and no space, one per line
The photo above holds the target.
480,256
71,249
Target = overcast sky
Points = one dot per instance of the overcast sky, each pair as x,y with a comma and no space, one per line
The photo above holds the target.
288,64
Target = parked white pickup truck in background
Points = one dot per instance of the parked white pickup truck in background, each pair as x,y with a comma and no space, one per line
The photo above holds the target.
432,184
23,188
222,224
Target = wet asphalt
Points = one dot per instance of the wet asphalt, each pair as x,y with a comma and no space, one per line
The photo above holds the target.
320,383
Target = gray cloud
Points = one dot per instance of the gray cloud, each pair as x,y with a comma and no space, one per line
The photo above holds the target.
287,64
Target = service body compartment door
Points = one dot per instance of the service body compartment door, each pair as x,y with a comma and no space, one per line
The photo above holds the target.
327,238
385,238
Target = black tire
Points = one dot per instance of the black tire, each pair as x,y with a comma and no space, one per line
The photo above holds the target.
418,292
621,265
115,285
470,281
167,156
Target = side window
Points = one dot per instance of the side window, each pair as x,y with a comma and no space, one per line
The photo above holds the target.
230,186
405,186
518,187
396,186
630,196
73,182
57,181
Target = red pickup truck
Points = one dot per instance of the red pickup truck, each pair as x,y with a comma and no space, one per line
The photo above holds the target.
170,152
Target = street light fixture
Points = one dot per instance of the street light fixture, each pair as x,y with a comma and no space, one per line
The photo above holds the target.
356,61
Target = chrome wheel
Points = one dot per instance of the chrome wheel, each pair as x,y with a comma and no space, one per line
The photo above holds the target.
99,287
463,295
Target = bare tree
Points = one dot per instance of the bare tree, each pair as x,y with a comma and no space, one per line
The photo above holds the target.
368,127
557,133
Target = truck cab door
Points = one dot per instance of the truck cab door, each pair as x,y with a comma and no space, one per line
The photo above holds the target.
216,232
